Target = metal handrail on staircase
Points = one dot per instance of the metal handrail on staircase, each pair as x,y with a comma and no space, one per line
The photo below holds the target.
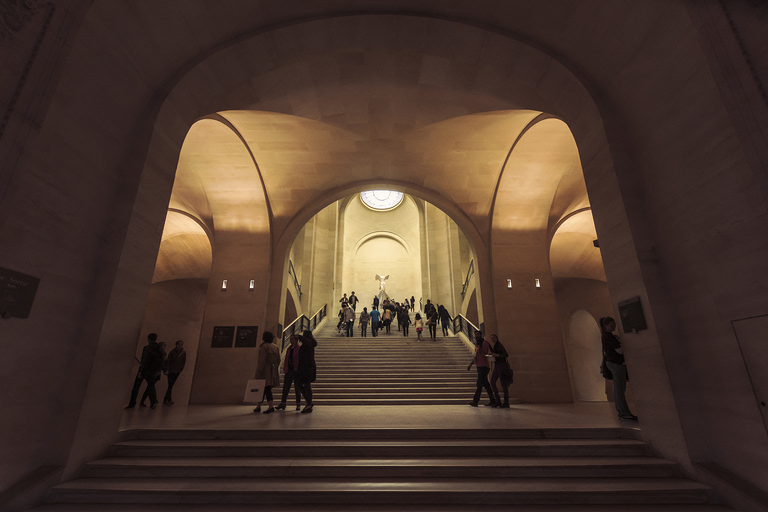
303,323
461,324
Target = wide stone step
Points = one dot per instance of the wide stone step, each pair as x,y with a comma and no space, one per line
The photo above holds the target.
382,449
465,395
382,490
378,387
262,467
388,434
382,400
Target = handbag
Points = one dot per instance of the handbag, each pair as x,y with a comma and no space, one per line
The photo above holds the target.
605,371
254,391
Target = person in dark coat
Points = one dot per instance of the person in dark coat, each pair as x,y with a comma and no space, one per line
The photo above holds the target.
404,319
445,319
290,370
613,355
151,362
307,371
501,370
174,365
432,321
157,375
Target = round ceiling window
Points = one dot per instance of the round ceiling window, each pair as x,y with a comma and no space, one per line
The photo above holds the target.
381,199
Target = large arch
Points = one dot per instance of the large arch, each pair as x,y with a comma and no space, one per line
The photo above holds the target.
539,84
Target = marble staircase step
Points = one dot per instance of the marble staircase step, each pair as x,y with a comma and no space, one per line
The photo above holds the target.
263,467
383,434
381,448
382,490
378,507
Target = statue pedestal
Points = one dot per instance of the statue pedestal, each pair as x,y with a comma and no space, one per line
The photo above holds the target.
382,295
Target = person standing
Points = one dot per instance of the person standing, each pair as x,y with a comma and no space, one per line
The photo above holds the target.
482,351
387,317
151,362
268,369
375,302
157,374
501,370
445,319
291,374
349,320
413,303
428,308
364,319
418,323
307,368
432,323
344,300
613,355
353,301
174,365
405,320
375,316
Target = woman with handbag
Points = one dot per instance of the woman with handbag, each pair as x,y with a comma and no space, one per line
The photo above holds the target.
613,355
268,368
501,370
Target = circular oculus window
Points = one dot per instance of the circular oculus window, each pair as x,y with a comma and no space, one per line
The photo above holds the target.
381,199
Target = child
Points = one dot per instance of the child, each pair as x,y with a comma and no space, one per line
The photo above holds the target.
419,324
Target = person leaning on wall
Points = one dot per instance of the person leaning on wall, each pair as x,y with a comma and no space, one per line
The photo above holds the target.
613,356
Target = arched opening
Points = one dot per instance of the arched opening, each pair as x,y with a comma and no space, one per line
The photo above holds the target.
421,250
456,157
584,352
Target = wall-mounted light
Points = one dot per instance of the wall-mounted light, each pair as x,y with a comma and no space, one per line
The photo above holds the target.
224,284
538,284
252,285
509,284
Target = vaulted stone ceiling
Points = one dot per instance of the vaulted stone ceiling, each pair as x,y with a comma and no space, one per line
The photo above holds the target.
402,99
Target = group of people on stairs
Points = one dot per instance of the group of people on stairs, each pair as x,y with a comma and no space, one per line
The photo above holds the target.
300,369
391,312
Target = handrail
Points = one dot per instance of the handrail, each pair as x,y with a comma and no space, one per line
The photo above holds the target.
292,272
302,323
298,325
318,317
470,272
461,324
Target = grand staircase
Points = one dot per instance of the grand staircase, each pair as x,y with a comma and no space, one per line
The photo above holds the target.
355,469
391,369
288,462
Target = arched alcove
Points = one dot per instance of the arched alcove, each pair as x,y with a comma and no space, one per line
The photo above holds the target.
584,350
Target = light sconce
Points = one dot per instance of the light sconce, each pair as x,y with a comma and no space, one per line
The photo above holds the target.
224,285
509,284
538,284
252,285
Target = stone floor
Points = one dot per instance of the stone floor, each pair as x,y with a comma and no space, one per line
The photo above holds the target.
576,415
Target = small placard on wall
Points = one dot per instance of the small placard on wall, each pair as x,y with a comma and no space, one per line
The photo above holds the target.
17,293
247,336
632,317
223,336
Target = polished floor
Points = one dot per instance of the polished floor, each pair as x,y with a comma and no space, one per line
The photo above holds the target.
576,415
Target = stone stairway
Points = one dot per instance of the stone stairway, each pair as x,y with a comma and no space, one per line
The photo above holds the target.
353,468
292,463
391,369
